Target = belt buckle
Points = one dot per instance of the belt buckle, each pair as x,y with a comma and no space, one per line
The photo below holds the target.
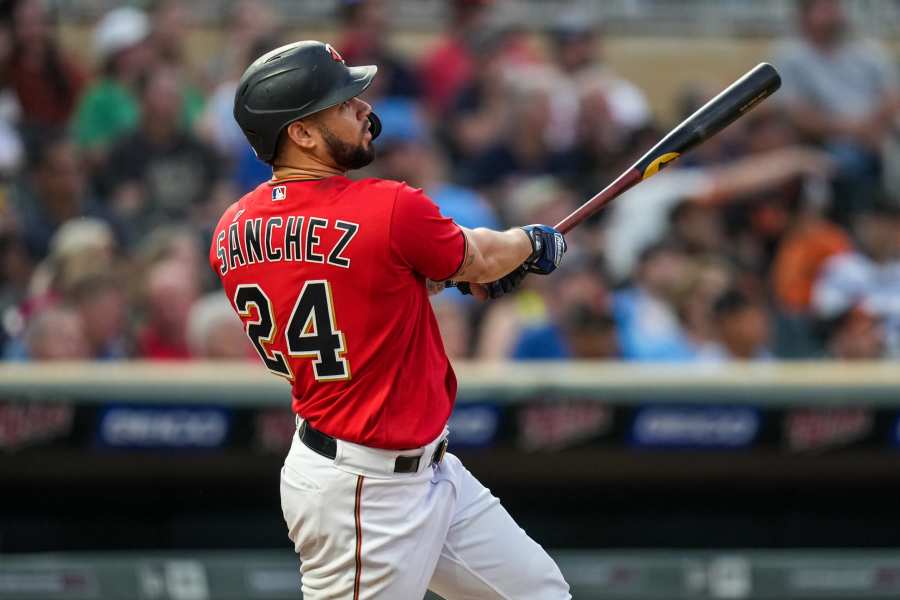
439,452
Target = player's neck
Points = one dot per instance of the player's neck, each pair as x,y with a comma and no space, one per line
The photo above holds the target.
283,172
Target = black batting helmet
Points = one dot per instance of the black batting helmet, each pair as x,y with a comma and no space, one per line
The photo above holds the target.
293,82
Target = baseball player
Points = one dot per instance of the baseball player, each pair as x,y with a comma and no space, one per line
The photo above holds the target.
329,276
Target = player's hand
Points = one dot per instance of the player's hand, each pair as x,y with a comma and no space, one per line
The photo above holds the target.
547,248
434,287
505,284
494,289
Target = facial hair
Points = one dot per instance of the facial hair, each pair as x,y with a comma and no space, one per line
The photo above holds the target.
347,156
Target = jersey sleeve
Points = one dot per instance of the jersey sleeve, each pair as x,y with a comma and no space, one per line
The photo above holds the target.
430,243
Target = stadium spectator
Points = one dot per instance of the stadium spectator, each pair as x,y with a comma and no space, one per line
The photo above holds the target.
173,241
15,273
649,329
169,292
868,275
591,335
363,40
448,67
697,229
706,279
856,335
588,84
170,22
78,245
98,296
841,91
809,242
52,191
214,333
247,22
47,80
585,306
161,172
523,326
108,107
12,149
756,220
475,118
55,333
640,217
743,326
522,150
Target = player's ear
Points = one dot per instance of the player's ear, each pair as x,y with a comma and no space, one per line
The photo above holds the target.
301,133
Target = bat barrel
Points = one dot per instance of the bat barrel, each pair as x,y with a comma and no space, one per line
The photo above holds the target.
711,118
738,98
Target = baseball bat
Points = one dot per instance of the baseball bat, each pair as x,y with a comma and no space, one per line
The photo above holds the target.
711,118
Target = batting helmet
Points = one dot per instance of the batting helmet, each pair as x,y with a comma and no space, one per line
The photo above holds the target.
293,82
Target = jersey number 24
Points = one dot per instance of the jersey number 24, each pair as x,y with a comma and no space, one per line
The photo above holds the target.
310,332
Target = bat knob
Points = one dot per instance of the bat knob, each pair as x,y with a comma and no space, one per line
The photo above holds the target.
462,286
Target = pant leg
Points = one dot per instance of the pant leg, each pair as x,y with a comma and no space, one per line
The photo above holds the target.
319,507
486,555
362,538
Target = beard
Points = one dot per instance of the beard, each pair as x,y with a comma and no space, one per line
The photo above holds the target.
345,155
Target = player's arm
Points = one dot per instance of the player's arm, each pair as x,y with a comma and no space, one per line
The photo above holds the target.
494,261
437,248
492,254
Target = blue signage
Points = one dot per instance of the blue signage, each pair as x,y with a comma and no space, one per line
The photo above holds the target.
695,427
135,426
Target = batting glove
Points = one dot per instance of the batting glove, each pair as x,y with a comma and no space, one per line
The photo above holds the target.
547,248
500,287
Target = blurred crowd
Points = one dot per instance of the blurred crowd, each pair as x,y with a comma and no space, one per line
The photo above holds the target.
779,238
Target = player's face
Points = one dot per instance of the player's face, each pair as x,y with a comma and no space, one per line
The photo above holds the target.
345,131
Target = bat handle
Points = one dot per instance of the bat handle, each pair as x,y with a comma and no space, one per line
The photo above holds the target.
462,286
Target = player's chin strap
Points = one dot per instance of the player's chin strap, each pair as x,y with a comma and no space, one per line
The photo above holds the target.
374,125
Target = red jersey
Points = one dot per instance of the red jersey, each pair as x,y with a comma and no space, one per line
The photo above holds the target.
328,277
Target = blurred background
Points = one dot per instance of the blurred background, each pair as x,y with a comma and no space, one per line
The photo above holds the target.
701,403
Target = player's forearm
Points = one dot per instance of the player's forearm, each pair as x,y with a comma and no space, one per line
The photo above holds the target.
818,124
764,170
492,254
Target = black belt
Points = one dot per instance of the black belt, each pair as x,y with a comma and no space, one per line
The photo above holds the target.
326,445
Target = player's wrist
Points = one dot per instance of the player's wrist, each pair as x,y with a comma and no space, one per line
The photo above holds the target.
525,244
548,246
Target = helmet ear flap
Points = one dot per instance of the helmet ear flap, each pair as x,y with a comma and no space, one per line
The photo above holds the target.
374,125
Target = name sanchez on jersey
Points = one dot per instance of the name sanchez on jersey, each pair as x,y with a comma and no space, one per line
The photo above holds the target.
295,238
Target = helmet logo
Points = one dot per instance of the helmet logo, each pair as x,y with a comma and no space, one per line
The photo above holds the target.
334,53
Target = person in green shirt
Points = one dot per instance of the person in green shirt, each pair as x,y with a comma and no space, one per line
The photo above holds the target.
110,107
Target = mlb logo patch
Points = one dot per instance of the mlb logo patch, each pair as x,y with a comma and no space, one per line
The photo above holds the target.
279,192
334,53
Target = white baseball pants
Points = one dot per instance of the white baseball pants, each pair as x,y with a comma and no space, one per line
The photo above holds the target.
365,533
